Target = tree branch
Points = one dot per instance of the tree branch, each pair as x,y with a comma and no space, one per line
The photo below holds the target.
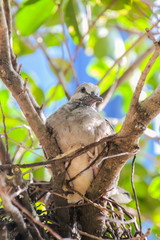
137,119
4,38
29,107
24,98
110,91
12,210
4,156
126,52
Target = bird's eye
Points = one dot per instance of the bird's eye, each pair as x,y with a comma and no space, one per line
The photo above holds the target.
83,90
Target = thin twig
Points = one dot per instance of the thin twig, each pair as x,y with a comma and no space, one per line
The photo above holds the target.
5,129
145,72
36,221
66,43
19,148
70,156
52,192
26,148
135,195
122,56
96,161
110,91
14,83
4,156
142,79
13,210
89,166
98,206
59,73
126,52
89,29
8,16
100,238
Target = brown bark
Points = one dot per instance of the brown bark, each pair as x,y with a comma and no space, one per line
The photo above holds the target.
28,105
139,116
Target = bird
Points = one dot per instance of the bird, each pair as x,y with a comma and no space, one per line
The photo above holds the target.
77,124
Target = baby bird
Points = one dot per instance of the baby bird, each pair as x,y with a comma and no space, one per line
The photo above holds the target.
77,123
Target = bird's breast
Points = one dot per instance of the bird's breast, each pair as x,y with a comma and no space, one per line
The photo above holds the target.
80,128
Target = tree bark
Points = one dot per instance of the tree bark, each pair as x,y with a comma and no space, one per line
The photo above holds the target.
137,119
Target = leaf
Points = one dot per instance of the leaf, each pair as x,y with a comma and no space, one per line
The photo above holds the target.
41,174
38,94
53,39
154,188
33,14
56,93
71,21
122,4
111,45
4,97
20,47
36,91
97,68
139,13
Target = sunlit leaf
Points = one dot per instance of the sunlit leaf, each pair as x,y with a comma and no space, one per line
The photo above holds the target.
118,5
20,47
53,39
154,188
71,21
42,174
55,93
33,14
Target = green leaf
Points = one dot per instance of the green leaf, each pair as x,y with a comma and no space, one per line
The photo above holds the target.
154,188
33,14
20,47
36,91
156,228
19,134
4,97
97,68
121,4
56,93
111,45
71,21
42,174
53,39
139,14
38,94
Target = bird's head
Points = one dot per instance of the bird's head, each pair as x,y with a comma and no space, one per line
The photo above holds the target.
88,94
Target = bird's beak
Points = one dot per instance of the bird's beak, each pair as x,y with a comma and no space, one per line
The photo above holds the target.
96,97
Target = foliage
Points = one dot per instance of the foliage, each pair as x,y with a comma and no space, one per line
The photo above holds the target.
59,30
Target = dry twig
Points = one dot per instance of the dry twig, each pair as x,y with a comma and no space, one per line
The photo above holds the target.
99,238
135,195
36,221
70,156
